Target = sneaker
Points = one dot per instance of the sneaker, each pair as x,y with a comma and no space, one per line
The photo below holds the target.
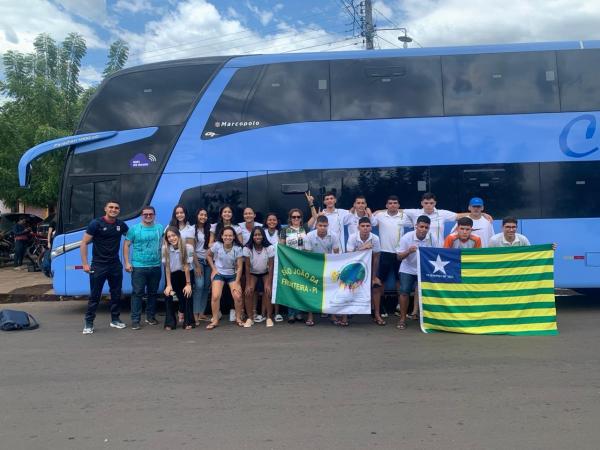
135,326
269,323
88,328
118,324
248,323
259,318
384,314
151,321
278,318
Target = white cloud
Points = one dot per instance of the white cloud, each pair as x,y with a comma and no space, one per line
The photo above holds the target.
196,28
469,22
133,6
265,16
89,76
22,21
92,10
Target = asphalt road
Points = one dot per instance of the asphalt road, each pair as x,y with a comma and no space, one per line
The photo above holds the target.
294,387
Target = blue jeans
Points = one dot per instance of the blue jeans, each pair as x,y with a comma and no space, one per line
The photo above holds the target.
144,280
201,285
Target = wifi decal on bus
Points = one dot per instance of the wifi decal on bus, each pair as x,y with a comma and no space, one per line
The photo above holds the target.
142,160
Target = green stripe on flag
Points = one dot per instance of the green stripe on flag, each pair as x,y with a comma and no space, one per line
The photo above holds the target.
477,294
508,278
507,264
484,308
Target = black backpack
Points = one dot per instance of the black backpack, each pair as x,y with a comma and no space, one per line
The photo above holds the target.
11,320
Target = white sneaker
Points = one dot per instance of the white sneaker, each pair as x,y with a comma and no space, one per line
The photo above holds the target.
270,322
88,329
248,323
278,318
259,318
118,324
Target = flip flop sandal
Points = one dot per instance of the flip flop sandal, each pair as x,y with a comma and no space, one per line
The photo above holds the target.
401,326
212,326
343,324
379,322
309,323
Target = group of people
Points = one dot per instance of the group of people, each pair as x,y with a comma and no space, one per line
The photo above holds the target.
199,258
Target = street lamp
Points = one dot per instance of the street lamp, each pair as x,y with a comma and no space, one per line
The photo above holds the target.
404,39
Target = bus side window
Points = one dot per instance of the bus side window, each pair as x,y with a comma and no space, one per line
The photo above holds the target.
578,77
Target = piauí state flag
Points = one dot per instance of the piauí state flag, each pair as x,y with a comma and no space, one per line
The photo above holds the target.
506,290
331,284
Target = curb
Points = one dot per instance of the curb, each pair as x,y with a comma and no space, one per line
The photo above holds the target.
28,298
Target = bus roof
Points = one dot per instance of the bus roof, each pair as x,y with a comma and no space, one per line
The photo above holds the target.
252,60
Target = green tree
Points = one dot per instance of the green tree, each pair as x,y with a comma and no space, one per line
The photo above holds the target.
45,100
117,57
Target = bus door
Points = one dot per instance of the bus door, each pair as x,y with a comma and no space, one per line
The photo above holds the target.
87,196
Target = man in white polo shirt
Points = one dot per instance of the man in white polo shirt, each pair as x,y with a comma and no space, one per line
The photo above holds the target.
337,218
391,223
358,211
482,227
509,236
407,252
365,240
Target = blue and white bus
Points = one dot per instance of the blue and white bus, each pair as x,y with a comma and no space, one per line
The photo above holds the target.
513,124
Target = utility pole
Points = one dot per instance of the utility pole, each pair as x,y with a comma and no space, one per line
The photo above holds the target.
367,24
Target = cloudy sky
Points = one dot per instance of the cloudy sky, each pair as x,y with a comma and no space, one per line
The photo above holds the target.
167,29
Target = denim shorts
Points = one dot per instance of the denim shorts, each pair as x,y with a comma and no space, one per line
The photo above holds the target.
224,278
407,283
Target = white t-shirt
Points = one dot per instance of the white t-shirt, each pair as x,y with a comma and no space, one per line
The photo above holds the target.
200,240
273,238
355,242
186,232
352,221
245,232
225,260
175,258
259,261
337,219
391,229
482,228
498,240
409,264
313,243
438,218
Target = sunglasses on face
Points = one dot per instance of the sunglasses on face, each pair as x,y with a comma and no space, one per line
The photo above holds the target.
147,214
296,217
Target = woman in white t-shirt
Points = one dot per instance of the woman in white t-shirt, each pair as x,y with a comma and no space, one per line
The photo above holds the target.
225,260
179,220
177,258
259,255
248,224
225,220
201,267
272,229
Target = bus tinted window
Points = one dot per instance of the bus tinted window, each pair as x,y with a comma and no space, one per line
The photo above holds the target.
570,189
579,82
146,98
502,83
386,88
274,94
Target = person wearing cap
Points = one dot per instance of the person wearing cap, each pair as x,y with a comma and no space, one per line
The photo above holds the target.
482,227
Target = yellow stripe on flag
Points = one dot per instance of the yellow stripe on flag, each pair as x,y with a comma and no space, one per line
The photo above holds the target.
536,298
551,326
504,272
521,256
488,287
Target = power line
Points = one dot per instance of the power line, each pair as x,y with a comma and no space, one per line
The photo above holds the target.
320,45
391,43
385,17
